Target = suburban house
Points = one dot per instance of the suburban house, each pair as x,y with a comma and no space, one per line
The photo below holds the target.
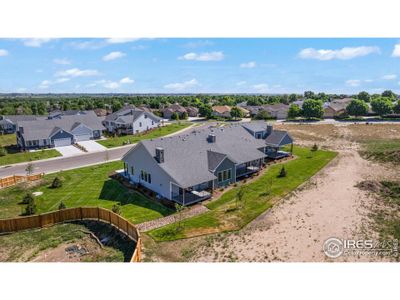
222,111
8,124
278,111
192,111
101,112
59,131
186,168
173,108
131,120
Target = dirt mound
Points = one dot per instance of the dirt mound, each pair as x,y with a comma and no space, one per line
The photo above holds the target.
370,186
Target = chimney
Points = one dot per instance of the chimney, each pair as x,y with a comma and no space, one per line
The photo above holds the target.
212,138
269,129
160,155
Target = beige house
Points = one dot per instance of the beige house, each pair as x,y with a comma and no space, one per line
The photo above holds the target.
222,111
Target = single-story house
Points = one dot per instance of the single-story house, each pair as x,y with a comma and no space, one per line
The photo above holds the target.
8,124
192,111
334,109
186,168
278,111
57,132
101,112
173,108
222,111
131,120
58,114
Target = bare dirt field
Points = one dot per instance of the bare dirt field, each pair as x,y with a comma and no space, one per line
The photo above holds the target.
329,205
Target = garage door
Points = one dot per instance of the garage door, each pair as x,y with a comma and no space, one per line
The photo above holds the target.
82,137
62,142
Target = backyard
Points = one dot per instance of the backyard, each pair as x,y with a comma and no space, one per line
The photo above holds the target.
11,155
89,186
118,141
259,195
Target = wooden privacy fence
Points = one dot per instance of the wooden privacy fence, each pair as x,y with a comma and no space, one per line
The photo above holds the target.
15,179
73,214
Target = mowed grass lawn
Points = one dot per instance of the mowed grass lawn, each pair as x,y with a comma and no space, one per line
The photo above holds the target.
13,156
152,134
259,196
89,186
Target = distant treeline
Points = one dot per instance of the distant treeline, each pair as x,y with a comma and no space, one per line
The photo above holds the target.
11,104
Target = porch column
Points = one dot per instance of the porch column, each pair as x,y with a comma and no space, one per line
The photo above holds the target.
291,149
183,197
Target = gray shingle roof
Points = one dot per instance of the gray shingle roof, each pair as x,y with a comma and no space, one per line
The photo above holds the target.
43,129
187,157
17,118
214,159
278,138
256,126
130,113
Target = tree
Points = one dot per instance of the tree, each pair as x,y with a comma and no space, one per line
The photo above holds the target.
236,113
308,94
30,208
313,109
263,115
239,197
29,169
292,97
282,172
389,94
178,218
185,116
294,111
27,198
62,206
116,208
382,106
57,183
175,116
364,96
396,108
357,108
205,111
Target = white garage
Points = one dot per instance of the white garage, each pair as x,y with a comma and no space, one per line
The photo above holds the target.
82,137
62,142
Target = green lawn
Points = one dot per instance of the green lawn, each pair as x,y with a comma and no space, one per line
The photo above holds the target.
13,156
155,133
224,214
89,186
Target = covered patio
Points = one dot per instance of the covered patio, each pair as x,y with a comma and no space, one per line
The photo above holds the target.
192,194
275,143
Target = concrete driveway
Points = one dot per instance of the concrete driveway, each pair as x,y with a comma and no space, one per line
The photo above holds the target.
92,146
67,151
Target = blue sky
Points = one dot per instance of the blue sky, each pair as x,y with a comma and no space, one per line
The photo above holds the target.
199,65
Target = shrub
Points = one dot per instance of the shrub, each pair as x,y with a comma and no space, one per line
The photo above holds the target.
116,209
57,183
282,172
3,152
28,198
314,148
62,206
30,208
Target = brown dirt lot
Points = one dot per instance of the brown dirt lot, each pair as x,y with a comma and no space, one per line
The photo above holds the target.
330,205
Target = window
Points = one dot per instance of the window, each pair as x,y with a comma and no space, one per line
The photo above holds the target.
132,170
145,176
140,124
145,116
225,175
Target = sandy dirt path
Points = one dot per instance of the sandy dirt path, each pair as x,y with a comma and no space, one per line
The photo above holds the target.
328,206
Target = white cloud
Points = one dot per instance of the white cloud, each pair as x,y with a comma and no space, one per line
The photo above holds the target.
75,72
3,52
120,40
44,84
21,90
113,55
61,61
61,80
179,86
111,85
368,80
389,77
126,80
92,44
205,56
240,83
396,51
261,87
36,43
343,54
248,65
353,82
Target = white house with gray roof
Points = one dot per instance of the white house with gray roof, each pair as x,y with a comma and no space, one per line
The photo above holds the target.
131,120
184,168
57,132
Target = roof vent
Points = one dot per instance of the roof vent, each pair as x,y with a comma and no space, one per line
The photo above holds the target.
212,138
160,155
